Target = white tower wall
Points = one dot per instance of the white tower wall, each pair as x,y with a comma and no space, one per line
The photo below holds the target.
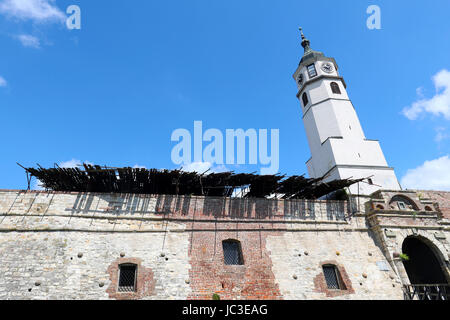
339,148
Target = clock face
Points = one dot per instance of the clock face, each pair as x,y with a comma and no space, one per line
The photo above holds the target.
327,67
300,79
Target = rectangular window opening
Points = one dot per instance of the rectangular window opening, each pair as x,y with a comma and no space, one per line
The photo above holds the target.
312,71
127,278
332,278
232,253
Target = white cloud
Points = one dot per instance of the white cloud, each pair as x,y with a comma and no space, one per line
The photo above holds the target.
437,105
137,166
419,92
37,186
29,41
3,82
441,134
74,163
70,164
35,10
432,175
201,167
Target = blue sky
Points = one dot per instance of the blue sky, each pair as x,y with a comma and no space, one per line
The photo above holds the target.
113,92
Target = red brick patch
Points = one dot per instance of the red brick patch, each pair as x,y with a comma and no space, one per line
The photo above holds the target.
145,283
208,275
320,283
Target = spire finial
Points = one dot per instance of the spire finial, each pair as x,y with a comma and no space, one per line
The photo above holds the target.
301,31
305,42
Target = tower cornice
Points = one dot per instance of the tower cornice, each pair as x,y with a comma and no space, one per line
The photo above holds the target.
318,78
315,58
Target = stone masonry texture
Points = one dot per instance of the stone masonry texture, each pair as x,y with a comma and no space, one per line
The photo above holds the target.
56,245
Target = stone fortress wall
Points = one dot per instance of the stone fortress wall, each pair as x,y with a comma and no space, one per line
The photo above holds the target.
56,245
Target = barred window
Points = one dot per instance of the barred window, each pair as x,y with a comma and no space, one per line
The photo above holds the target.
335,88
312,71
127,278
332,277
305,99
232,252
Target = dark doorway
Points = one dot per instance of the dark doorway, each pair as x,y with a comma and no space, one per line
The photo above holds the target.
423,266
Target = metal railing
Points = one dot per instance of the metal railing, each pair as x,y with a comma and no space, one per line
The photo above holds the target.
426,292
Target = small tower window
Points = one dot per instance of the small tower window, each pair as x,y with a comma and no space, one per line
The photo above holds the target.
300,80
127,278
335,88
305,99
232,252
312,71
332,277
401,205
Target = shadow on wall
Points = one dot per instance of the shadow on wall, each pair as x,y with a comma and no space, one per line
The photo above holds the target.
217,207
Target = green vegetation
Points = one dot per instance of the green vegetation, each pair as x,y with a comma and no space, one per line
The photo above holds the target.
215,296
404,257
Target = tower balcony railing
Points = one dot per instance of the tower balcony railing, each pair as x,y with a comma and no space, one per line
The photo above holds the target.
426,292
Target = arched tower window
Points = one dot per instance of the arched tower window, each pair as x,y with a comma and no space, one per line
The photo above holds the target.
232,252
305,99
335,88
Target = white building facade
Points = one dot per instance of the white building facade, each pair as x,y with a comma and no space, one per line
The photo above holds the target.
339,148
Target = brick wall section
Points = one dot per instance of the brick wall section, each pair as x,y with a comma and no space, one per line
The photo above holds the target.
254,280
442,198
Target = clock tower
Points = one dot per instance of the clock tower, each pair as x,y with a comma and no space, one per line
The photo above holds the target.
339,148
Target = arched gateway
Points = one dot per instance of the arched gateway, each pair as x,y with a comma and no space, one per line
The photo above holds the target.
426,271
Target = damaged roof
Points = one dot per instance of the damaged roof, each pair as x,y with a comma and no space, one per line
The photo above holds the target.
96,178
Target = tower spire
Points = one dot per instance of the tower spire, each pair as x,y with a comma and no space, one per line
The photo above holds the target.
305,42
